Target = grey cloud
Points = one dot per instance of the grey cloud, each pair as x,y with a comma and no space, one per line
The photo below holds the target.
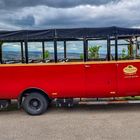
51,3
124,13
26,21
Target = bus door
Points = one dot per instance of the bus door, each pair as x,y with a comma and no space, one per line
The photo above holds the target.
101,75
101,79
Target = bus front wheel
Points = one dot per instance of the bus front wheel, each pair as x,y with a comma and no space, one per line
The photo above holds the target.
35,104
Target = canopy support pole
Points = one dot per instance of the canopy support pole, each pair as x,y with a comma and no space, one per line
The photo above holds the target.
65,50
137,47
26,52
43,51
1,61
55,50
116,48
108,48
22,53
85,49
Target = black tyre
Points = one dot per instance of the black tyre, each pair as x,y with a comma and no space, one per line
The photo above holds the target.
35,104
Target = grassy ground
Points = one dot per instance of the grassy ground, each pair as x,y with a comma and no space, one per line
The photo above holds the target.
132,98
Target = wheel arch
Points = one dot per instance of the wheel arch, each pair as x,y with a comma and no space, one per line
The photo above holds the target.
30,90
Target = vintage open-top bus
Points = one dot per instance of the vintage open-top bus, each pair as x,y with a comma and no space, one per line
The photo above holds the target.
107,65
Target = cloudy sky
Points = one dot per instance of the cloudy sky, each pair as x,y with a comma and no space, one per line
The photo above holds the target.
42,14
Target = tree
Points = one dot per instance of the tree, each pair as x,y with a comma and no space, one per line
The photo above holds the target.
124,53
128,53
81,56
47,54
94,51
130,50
1,43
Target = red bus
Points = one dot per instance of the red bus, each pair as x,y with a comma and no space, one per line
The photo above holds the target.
74,63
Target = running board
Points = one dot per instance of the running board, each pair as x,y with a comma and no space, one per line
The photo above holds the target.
109,102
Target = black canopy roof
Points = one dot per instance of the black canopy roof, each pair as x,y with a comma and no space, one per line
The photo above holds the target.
73,33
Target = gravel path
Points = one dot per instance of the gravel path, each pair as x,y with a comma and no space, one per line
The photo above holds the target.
83,122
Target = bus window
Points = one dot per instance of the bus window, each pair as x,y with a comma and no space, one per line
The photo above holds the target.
137,48
35,52
97,50
60,51
112,48
49,52
128,49
74,51
11,53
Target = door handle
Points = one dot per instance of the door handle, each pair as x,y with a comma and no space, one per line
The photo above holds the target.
87,66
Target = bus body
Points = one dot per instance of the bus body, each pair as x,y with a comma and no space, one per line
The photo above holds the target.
35,85
71,80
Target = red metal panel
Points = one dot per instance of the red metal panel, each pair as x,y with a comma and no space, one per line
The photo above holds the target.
97,79
129,78
56,80
101,80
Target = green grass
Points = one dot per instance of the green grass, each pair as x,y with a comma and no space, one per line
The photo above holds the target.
132,98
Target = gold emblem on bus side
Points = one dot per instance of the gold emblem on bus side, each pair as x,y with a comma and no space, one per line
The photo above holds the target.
130,70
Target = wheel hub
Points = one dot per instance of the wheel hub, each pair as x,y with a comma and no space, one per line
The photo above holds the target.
35,104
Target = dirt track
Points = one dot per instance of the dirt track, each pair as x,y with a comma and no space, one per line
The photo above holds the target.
102,122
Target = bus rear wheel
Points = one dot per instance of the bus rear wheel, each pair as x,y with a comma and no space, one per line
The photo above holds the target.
35,104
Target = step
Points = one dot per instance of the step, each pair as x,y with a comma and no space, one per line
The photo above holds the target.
109,102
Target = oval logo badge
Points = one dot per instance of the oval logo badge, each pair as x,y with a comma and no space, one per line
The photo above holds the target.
130,70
